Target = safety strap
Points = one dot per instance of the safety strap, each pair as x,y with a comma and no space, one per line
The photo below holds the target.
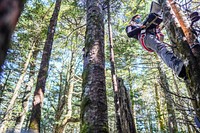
160,36
148,24
142,42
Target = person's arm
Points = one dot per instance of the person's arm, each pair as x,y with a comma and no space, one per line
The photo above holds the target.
133,30
159,34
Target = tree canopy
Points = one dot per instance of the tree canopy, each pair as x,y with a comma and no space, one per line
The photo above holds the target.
159,99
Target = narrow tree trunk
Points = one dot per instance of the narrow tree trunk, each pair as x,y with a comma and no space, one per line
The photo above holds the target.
113,73
150,122
43,72
94,117
20,119
112,57
130,78
161,121
60,127
16,92
179,101
10,11
119,91
3,87
61,101
125,109
145,122
27,94
190,52
170,107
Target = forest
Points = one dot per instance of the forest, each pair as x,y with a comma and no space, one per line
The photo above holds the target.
68,66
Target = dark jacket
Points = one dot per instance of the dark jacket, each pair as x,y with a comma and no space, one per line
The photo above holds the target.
133,31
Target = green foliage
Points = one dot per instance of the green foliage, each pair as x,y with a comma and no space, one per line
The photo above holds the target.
137,67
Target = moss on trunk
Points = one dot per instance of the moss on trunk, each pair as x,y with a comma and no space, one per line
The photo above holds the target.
94,103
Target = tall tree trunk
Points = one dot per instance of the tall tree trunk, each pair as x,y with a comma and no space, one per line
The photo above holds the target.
190,52
16,92
130,78
43,72
112,57
189,35
20,119
94,115
150,122
170,106
10,11
125,109
119,91
113,73
159,115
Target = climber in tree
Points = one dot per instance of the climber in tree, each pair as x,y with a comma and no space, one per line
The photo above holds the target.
148,35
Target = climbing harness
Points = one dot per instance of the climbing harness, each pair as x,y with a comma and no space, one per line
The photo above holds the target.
141,36
152,21
159,36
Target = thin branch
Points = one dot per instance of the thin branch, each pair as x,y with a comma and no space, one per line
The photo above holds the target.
75,30
181,96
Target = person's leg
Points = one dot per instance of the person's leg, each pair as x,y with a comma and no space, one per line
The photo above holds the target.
167,56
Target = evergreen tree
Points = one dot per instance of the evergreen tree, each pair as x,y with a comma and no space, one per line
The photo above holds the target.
43,72
94,103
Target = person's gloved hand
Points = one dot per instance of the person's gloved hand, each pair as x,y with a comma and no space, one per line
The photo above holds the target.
142,26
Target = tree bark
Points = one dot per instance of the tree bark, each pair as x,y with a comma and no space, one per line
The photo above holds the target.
113,72
150,122
159,115
125,109
121,95
68,91
132,100
3,86
10,11
43,72
189,35
20,119
16,92
170,106
94,117
180,102
190,53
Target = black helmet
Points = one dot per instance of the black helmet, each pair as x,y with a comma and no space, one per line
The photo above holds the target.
132,19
